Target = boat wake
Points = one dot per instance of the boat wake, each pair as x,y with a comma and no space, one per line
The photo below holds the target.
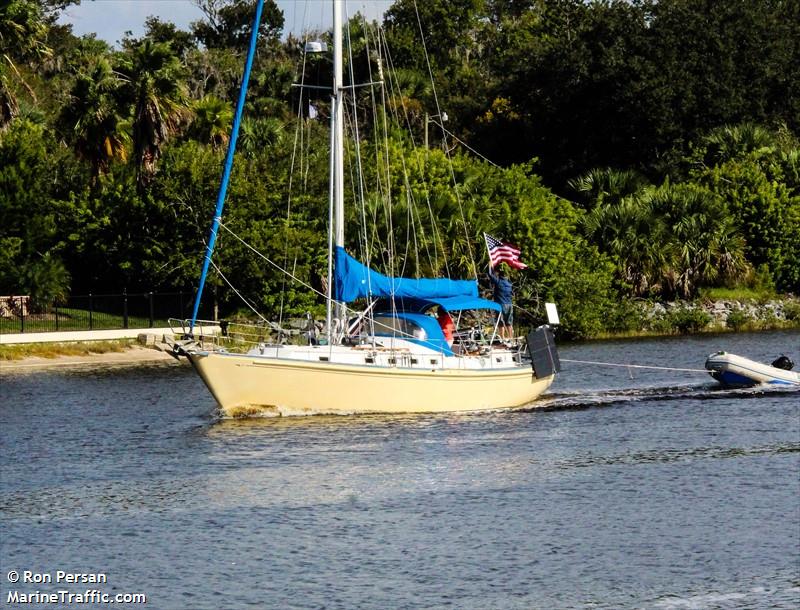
603,398
273,411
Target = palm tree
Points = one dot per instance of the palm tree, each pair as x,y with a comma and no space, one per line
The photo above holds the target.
606,185
157,92
212,121
260,133
629,230
92,119
706,243
730,141
408,91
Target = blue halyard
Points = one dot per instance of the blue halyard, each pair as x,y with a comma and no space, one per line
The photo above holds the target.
226,174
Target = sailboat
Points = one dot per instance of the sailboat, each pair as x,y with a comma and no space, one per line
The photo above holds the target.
392,357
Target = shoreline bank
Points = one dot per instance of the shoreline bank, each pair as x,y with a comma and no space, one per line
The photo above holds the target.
131,355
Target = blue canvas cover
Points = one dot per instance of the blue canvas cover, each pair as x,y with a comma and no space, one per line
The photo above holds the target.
354,280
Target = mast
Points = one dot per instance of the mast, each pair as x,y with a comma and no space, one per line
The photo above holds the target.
337,184
329,291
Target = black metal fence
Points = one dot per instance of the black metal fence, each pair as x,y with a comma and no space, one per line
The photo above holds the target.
96,312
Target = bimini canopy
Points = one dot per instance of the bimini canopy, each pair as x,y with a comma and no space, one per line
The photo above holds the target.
354,280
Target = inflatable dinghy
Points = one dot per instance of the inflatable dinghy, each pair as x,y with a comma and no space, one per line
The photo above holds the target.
735,371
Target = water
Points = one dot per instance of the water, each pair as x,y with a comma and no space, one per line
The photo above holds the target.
650,490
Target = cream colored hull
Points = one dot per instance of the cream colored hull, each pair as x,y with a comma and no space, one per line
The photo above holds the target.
244,385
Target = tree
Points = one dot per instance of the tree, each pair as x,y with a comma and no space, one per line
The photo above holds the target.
23,34
229,23
91,117
766,213
704,240
636,237
35,182
444,25
603,186
212,121
669,240
156,90
46,281
160,31
731,141
259,134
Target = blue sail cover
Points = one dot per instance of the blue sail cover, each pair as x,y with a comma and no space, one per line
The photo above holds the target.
354,280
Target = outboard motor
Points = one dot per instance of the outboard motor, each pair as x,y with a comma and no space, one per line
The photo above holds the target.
783,362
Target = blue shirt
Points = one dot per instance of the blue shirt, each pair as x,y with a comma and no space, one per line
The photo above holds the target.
502,289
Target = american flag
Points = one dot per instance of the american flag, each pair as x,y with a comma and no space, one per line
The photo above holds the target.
500,252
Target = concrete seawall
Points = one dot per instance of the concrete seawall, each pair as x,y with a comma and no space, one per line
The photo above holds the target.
95,335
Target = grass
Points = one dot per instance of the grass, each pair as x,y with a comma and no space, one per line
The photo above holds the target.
760,295
54,350
76,319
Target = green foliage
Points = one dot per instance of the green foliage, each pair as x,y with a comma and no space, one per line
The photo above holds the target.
212,121
91,118
156,91
34,215
625,317
599,187
23,33
688,320
47,282
24,29
668,240
228,23
585,293
791,310
758,293
738,320
765,210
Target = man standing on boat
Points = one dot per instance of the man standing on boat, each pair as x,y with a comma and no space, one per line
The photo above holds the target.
503,294
503,291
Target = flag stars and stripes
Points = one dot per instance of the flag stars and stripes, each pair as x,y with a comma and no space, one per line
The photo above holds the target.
501,252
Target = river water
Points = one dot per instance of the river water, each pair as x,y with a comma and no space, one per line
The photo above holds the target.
633,489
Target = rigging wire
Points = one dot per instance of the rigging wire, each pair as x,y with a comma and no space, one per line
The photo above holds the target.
279,268
447,152
246,301
298,135
274,264
464,144
399,102
293,277
359,193
438,241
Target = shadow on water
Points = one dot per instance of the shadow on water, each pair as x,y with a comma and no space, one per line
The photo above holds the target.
223,425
